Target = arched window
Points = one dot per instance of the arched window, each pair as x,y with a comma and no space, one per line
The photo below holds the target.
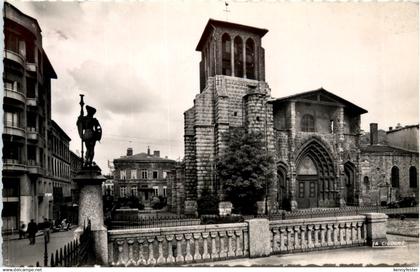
413,177
395,177
308,123
226,55
250,59
366,182
238,57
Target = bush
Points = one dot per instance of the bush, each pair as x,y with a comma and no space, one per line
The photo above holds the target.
208,203
158,202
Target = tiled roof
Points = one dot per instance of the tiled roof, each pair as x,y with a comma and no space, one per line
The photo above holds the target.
143,157
384,149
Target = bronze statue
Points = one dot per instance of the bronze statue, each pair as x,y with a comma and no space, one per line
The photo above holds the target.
90,131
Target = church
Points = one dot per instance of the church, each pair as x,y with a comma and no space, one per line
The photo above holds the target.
314,136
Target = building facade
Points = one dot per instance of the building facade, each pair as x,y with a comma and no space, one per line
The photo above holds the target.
29,174
143,175
314,136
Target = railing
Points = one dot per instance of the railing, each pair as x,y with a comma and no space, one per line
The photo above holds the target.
347,211
75,253
180,245
128,222
311,234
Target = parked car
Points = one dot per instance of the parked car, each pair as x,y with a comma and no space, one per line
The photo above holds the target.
404,202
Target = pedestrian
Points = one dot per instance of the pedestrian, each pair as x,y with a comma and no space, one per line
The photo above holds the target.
22,231
32,230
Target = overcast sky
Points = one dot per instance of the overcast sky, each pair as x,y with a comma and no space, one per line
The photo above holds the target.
136,61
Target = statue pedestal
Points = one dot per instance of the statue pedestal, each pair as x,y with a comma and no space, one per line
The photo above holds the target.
90,181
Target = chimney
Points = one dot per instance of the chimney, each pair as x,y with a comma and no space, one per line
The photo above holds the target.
373,133
156,153
390,128
130,151
148,150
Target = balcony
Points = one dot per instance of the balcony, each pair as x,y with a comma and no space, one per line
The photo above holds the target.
13,129
15,57
35,168
31,133
15,95
13,165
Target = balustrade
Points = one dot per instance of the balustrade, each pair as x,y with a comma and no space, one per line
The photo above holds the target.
160,246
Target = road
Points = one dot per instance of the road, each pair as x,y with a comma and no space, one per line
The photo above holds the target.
19,252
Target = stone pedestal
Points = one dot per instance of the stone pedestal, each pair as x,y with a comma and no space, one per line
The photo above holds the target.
376,228
190,207
90,181
259,238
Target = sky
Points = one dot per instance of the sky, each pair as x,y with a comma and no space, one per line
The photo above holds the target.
136,63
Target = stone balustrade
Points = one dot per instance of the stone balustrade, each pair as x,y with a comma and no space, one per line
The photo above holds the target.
297,235
253,238
177,245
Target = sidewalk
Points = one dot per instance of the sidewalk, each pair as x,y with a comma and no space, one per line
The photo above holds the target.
405,255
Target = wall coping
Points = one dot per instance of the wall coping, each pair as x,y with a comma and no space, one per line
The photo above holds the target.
320,220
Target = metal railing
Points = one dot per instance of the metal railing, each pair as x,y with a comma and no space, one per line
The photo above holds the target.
152,222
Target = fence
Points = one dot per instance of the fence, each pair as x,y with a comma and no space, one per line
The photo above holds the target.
152,222
253,238
75,253
346,211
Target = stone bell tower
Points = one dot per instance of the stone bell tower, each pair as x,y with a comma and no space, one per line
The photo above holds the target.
233,93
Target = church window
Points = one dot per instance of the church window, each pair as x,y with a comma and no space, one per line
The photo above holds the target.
250,59
395,177
331,126
235,113
413,177
366,182
308,123
258,118
226,55
239,57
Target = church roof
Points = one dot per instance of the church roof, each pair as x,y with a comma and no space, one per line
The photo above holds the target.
329,97
143,157
212,23
380,149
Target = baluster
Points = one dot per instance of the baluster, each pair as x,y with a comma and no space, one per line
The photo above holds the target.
316,236
170,258
65,256
336,230
197,255
238,250
276,239
188,256
130,261
206,254
303,241
142,259
359,233
120,245
61,257
230,252
151,260
342,230
282,240
310,242
348,233
52,264
110,253
214,253
223,250
245,240
290,245
323,242
160,259
296,237
329,234
354,233
179,258
57,263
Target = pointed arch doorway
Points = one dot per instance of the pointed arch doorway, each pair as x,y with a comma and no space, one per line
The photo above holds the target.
315,179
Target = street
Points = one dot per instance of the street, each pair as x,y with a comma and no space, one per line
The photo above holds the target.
19,252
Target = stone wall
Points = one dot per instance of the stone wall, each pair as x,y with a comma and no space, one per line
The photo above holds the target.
377,168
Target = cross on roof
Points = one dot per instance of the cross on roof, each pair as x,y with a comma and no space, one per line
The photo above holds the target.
226,10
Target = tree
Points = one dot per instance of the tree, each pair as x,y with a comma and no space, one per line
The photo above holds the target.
245,169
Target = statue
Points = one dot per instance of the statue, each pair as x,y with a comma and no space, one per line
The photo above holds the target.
89,130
